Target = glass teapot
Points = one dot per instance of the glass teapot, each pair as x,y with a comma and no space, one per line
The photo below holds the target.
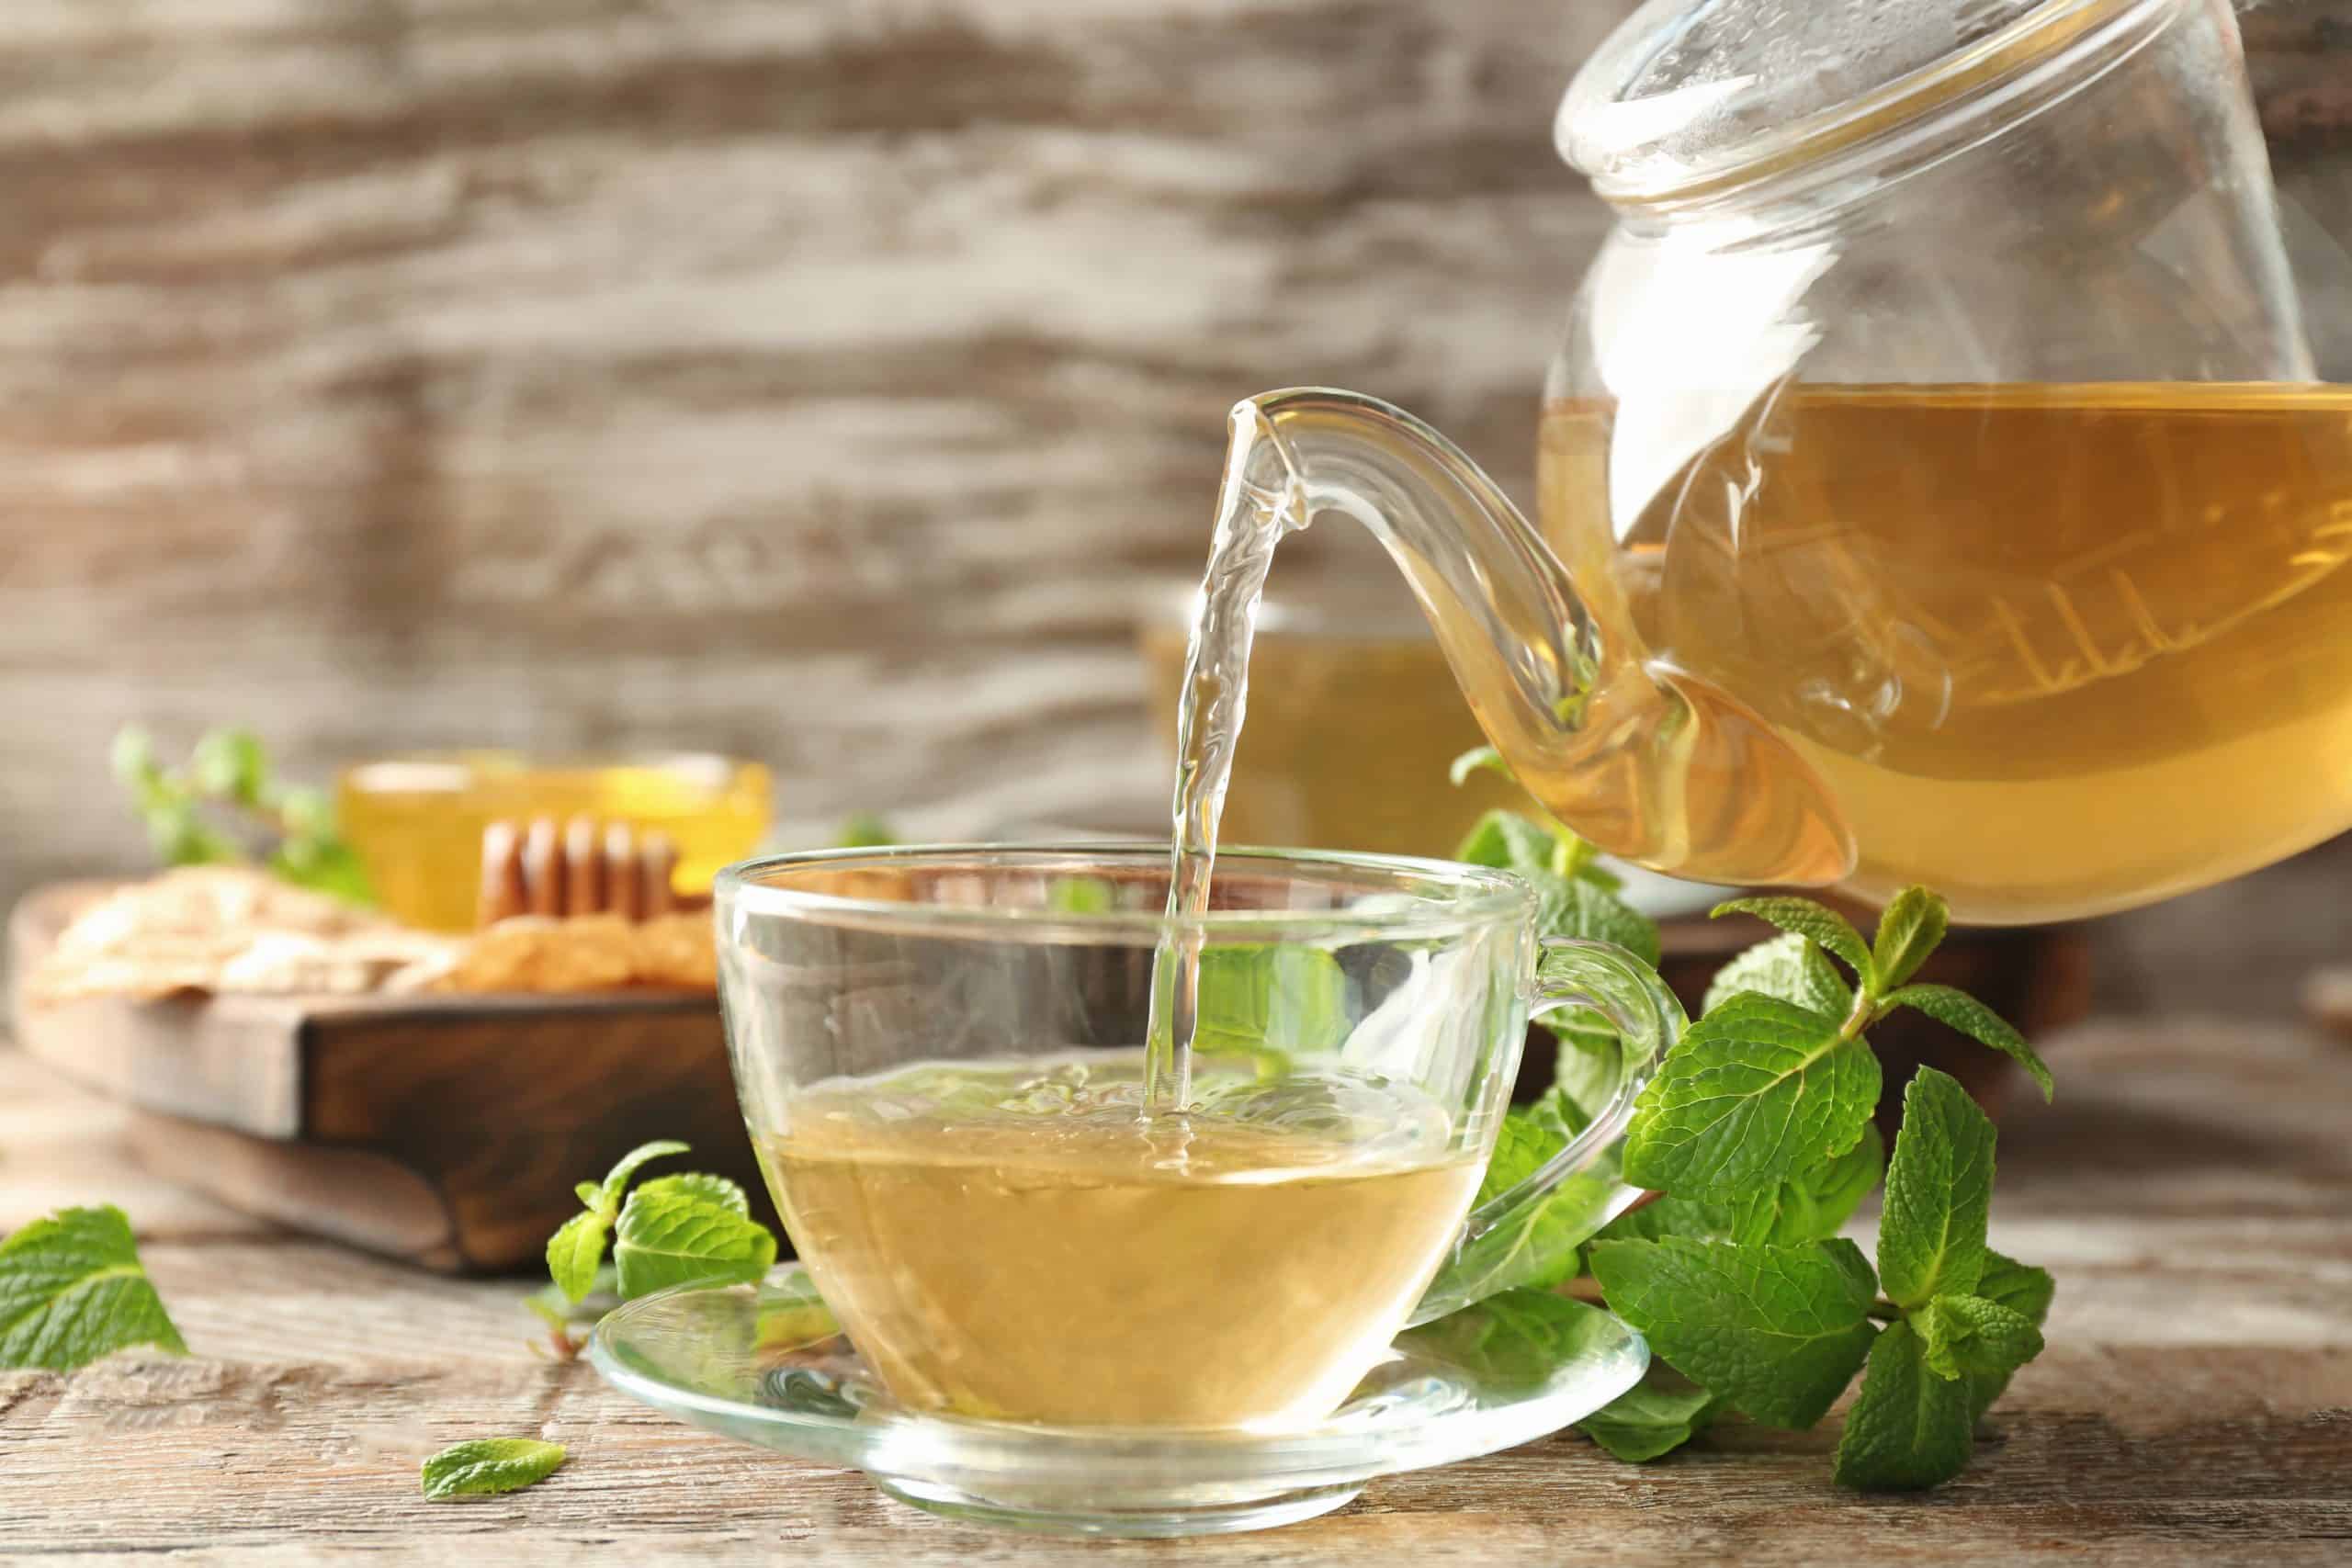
1933,484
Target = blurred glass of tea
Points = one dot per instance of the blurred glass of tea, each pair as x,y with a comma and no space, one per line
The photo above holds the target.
1354,722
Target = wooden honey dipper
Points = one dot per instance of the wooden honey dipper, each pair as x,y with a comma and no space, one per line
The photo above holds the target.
584,867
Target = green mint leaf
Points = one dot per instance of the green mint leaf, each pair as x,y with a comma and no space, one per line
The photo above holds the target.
1811,1205
1520,1339
1478,759
1912,928
1539,1243
865,830
1699,1219
1909,1429
1654,1417
616,1179
2023,1290
1789,967
228,764
333,868
131,759
702,1184
1818,923
71,1291
1081,895
1523,1144
589,1193
677,1236
1253,1001
1754,1092
1505,840
574,1253
1586,1071
1776,1331
1571,907
1814,1204
1958,1010
1939,1192
1969,1336
1537,1246
488,1465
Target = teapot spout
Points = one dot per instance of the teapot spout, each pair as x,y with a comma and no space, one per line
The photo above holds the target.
1642,760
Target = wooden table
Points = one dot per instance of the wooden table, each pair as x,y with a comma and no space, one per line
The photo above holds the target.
2192,1191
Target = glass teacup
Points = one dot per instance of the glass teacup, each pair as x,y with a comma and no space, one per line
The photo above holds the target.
939,1054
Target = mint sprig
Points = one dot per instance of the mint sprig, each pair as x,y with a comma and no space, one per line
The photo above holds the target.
226,805
671,1230
1755,1137
71,1291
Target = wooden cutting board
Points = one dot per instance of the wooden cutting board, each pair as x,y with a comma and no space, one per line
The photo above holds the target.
448,1130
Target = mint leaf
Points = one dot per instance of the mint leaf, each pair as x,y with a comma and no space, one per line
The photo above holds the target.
1254,1000
1818,923
865,830
1587,1069
574,1253
230,764
1754,1092
1939,1194
616,1179
676,1236
71,1291
1958,1010
1789,967
1969,1336
1912,928
1811,1205
1521,1338
487,1465
702,1184
1776,1331
589,1193
1572,907
1815,1203
1699,1219
1654,1416
1539,1243
1536,1244
2023,1290
1505,840
1908,1428
1081,895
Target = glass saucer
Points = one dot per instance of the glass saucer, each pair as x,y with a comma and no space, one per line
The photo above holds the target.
765,1364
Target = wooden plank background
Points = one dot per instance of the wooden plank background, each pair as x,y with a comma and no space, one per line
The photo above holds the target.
821,381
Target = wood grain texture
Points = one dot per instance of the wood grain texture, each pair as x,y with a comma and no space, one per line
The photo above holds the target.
815,381
2191,1191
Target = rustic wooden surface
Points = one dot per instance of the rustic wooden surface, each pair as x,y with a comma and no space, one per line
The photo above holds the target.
823,381
2192,1191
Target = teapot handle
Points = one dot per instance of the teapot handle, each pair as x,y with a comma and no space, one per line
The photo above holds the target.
1577,1191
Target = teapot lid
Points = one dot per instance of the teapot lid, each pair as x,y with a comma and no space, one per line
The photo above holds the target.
1690,94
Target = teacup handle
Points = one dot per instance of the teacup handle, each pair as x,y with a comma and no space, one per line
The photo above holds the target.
1604,979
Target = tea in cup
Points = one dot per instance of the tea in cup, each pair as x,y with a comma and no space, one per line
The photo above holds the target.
941,1059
